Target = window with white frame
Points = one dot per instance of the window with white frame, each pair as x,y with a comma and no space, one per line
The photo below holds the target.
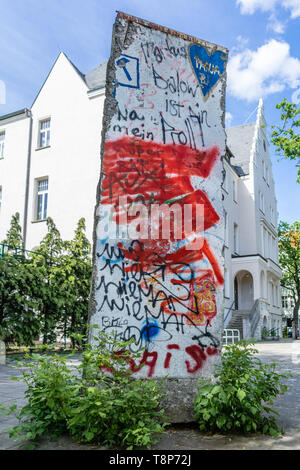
234,183
264,144
44,133
235,238
42,199
261,198
265,242
2,139
226,227
225,182
285,301
226,283
267,174
262,202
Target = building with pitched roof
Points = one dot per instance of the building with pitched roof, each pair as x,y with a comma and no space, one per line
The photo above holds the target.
252,272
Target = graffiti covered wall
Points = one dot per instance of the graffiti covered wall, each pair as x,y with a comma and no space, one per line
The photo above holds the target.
158,265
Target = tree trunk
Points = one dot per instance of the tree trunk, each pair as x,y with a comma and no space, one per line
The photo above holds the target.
295,319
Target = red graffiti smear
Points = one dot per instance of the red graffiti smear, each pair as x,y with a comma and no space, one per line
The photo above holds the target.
169,355
133,167
151,173
149,359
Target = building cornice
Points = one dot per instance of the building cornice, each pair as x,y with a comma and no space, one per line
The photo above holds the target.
268,226
96,92
16,115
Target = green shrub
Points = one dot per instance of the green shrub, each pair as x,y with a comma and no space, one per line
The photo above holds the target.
97,402
50,386
121,410
237,401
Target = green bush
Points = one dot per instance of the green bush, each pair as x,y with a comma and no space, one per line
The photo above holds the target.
237,400
97,402
122,410
50,386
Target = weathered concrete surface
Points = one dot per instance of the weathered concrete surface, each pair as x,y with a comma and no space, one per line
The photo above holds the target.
2,352
286,353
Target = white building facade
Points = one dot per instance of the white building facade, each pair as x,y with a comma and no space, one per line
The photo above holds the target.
50,158
252,273
50,166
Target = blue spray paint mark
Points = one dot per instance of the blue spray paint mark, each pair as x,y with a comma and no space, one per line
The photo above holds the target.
150,330
131,68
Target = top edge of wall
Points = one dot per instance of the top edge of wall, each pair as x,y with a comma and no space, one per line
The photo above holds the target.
166,30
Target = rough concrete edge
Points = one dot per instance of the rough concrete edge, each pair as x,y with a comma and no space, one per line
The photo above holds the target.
176,387
120,38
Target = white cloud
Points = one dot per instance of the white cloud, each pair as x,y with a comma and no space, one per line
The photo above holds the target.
269,69
275,25
294,6
228,119
296,96
248,7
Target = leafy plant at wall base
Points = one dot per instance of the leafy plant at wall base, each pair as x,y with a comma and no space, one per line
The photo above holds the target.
97,402
121,410
238,400
49,391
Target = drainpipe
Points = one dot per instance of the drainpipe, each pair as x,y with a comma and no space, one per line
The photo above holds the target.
27,179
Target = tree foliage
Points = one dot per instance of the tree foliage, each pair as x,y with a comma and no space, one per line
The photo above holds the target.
19,320
46,292
14,240
286,137
46,261
289,258
75,272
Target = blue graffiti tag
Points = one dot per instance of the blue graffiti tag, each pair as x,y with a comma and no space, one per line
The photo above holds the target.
207,67
130,66
150,330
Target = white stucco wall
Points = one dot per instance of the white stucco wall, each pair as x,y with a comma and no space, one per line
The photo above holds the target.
72,162
13,170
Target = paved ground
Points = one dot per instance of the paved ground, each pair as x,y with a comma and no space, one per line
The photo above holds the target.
286,353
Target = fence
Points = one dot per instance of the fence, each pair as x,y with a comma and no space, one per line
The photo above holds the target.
231,336
17,253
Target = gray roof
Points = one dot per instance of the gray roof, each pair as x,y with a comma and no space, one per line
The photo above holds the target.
96,78
239,141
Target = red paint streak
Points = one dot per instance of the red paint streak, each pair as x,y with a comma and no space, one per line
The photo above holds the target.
143,254
169,355
150,363
199,357
214,263
211,351
149,359
129,163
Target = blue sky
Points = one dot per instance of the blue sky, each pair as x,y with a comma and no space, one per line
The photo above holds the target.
262,37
